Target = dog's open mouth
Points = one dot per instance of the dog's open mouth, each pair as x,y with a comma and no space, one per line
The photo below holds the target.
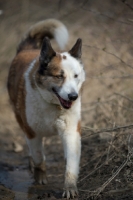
66,104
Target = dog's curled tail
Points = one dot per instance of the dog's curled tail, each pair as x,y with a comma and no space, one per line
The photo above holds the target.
50,28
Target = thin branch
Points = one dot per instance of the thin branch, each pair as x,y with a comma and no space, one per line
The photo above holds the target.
111,77
118,128
98,13
104,50
123,190
127,4
117,58
110,144
104,102
100,189
59,5
121,95
92,172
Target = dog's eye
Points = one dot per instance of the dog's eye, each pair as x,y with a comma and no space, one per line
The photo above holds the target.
76,75
59,76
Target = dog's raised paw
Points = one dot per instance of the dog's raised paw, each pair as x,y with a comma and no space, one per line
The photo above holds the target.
70,193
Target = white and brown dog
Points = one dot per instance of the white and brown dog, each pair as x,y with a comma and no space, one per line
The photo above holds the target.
45,89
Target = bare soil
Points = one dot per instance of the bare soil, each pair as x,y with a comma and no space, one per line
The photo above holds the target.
106,28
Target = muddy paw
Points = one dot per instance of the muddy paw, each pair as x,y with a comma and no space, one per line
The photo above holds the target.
40,176
70,193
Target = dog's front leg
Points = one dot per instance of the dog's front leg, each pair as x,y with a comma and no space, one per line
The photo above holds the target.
72,147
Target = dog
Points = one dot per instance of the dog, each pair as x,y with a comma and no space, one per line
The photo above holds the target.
45,87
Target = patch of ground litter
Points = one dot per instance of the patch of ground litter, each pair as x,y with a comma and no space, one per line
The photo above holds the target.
15,173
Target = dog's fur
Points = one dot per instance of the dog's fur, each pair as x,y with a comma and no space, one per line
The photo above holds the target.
45,90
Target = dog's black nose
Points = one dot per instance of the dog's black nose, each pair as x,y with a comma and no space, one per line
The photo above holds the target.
72,96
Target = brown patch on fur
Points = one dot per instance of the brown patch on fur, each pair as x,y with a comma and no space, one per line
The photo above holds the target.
16,87
54,66
79,127
64,57
51,73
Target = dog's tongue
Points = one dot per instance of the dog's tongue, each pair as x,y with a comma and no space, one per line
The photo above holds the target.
66,104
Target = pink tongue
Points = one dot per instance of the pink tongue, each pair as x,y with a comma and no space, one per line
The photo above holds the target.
66,103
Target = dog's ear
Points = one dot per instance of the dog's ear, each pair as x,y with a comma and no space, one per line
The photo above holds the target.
76,49
46,54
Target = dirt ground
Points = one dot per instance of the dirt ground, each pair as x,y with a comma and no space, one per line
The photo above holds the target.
106,170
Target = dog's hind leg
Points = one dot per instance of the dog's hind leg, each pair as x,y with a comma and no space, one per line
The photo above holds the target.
36,153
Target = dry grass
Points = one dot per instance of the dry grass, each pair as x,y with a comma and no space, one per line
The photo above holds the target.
106,172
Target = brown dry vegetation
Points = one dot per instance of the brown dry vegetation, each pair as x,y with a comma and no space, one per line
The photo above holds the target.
106,28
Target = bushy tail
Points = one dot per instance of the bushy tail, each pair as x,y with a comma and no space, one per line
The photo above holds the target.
48,28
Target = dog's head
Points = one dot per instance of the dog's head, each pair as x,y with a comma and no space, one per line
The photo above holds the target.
62,74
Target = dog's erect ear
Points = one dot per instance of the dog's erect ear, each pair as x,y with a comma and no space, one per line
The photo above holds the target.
76,49
46,54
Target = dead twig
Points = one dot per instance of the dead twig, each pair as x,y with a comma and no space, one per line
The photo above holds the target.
118,191
129,76
112,54
125,97
127,4
92,172
104,15
110,144
94,131
100,189
130,153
